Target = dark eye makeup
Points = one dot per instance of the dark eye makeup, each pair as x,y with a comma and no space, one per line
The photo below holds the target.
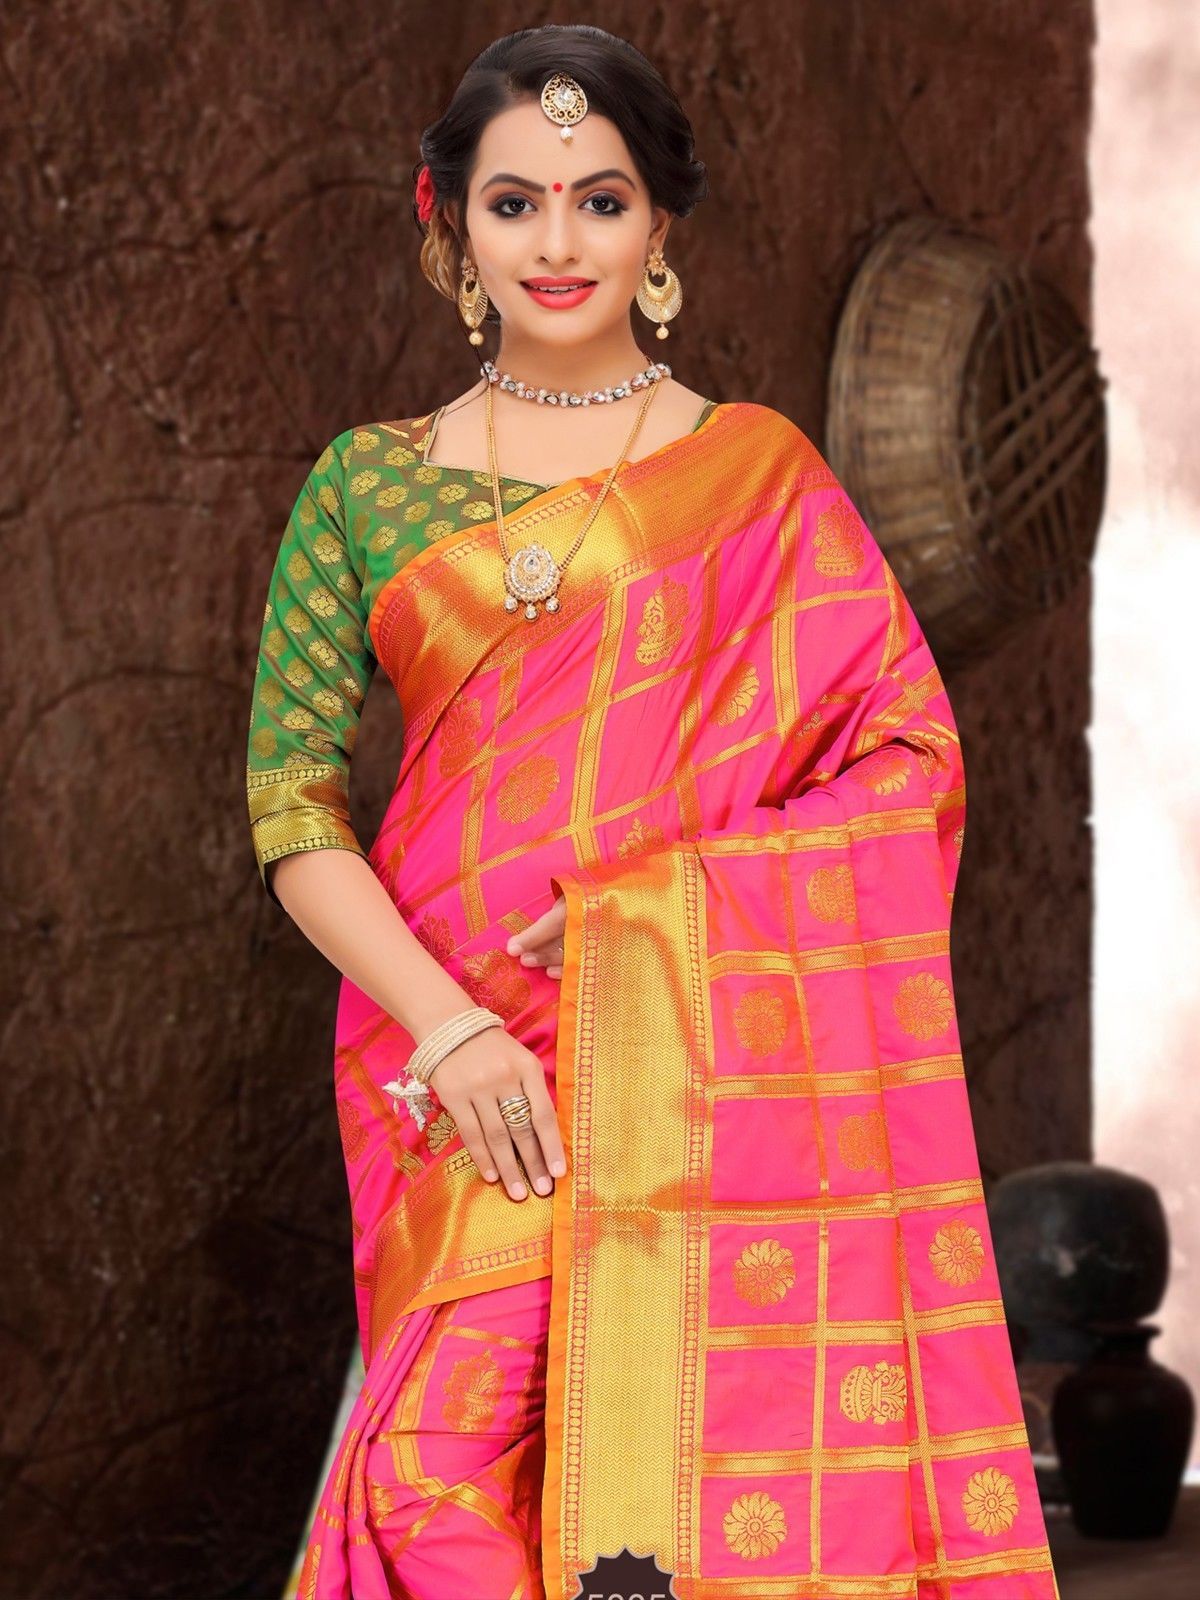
615,210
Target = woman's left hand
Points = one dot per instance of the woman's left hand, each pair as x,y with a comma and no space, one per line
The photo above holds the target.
541,943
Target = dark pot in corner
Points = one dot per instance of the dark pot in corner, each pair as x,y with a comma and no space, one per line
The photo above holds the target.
1123,1427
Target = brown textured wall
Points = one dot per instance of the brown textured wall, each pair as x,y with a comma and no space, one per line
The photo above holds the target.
208,268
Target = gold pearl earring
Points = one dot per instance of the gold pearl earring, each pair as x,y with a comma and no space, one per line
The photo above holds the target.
472,300
660,301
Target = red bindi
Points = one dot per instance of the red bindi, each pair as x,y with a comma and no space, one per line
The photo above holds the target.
557,187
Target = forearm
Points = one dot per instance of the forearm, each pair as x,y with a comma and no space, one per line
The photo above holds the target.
338,903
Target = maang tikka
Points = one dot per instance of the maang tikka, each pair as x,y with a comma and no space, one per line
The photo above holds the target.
564,102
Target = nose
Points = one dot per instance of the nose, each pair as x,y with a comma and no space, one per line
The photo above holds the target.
560,246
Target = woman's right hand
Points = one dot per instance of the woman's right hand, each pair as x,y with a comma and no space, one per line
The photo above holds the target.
472,1080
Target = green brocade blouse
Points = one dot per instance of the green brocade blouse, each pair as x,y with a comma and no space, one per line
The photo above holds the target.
369,504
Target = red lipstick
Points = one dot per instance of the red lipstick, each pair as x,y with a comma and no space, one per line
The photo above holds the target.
560,292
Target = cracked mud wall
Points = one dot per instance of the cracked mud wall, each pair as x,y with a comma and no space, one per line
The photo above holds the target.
209,269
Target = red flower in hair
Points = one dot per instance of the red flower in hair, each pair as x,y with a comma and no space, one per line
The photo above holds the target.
426,199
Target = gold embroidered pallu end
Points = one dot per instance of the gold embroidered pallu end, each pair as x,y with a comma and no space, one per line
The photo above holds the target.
624,1368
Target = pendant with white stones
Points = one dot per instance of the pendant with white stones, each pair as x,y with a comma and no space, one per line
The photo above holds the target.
532,574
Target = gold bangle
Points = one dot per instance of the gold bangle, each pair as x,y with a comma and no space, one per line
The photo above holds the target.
433,1049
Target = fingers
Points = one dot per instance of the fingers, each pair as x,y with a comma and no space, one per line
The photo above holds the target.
537,1141
500,1141
550,954
468,1125
546,929
472,1082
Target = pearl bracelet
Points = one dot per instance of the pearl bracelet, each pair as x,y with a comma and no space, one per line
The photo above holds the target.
454,1031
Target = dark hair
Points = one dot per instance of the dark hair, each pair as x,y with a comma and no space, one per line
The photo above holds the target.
620,83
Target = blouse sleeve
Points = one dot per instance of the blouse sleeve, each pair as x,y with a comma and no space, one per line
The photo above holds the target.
314,668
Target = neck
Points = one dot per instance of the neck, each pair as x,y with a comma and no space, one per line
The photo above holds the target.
595,364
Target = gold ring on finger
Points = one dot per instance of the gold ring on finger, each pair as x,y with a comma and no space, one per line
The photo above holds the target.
516,1110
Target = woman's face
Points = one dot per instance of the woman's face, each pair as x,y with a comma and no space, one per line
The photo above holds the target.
540,206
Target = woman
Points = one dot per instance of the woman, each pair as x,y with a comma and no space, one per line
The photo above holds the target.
656,926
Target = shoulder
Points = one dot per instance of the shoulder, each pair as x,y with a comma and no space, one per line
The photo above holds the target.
360,458
765,418
772,427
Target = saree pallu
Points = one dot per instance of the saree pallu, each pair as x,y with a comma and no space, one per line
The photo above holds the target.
777,1357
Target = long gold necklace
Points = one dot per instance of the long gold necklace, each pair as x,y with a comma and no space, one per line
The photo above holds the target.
531,573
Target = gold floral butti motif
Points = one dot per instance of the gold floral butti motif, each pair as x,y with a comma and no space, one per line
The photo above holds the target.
956,1253
461,728
760,1022
862,1141
354,1135
383,1499
495,980
642,837
838,545
990,1501
924,1005
804,738
474,1387
440,1131
885,772
764,1272
736,696
663,618
436,934
755,1526
527,788
874,1394
830,893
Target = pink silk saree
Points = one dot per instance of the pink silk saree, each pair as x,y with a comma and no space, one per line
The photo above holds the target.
777,1357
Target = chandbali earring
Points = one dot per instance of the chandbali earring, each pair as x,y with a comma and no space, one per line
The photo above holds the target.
472,300
660,301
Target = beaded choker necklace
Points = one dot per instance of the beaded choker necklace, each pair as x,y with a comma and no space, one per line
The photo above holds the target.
569,397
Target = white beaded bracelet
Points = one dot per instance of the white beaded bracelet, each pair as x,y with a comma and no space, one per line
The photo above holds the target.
413,1086
446,1036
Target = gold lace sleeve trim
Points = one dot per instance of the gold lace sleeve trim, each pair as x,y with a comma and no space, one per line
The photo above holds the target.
298,808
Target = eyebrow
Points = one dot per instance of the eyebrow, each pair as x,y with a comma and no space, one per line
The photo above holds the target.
540,188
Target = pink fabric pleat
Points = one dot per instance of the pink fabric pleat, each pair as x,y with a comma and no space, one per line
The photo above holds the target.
435,1492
